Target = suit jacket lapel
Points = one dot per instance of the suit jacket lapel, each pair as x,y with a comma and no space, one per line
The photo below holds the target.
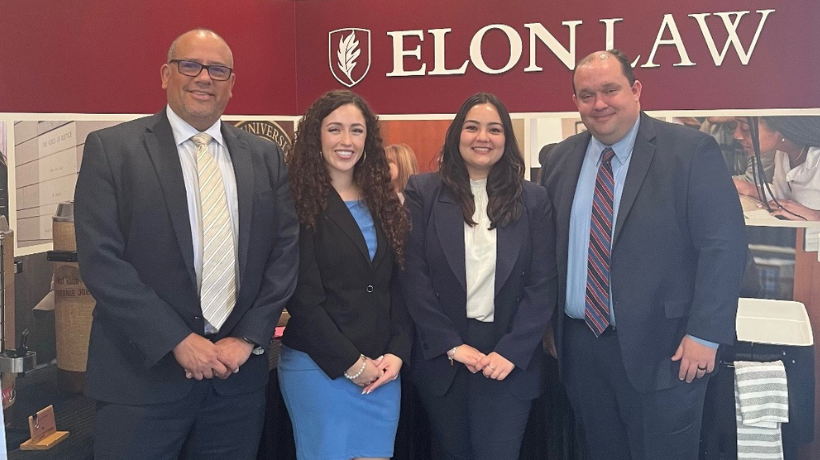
381,243
449,222
642,154
508,246
159,140
243,170
338,212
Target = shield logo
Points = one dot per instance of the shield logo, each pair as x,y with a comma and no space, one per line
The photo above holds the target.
349,54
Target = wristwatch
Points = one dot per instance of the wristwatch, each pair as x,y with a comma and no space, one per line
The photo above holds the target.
257,350
451,354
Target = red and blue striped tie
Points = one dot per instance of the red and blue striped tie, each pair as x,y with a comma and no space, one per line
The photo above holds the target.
600,243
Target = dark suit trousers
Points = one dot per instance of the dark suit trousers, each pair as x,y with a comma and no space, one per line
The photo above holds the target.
477,418
619,422
202,425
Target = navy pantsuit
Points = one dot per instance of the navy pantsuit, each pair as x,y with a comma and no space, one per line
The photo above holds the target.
435,293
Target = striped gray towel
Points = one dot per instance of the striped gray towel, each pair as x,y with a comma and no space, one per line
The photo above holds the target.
761,405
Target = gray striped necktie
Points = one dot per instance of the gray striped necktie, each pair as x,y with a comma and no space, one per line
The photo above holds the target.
218,291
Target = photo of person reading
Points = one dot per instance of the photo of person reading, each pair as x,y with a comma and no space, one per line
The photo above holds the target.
794,191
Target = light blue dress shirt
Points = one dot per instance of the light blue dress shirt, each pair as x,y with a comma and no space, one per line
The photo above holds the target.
582,212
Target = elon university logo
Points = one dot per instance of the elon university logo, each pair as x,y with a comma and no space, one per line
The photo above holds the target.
348,53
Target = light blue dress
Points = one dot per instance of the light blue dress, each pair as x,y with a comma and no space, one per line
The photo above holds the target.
332,419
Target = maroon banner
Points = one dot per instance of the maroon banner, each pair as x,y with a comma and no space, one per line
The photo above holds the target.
102,56
97,56
428,56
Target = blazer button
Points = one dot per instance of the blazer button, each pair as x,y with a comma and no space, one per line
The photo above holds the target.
196,318
437,296
426,347
369,288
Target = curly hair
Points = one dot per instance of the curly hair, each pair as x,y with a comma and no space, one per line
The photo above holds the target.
310,181
504,180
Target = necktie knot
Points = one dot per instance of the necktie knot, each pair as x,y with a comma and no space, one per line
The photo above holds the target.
608,154
201,139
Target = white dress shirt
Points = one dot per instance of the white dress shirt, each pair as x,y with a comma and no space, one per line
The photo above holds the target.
479,258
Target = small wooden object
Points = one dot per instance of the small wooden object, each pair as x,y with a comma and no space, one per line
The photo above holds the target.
44,434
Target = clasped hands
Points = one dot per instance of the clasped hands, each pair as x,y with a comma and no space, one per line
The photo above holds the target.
493,365
203,359
376,372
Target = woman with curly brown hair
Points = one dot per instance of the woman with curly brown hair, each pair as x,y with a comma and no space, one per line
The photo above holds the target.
348,334
480,285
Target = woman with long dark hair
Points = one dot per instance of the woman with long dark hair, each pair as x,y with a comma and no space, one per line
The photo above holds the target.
794,142
480,284
349,333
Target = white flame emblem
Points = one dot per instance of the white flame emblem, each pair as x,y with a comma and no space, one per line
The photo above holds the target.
343,55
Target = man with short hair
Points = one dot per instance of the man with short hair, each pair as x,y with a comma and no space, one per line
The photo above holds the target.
651,250
187,239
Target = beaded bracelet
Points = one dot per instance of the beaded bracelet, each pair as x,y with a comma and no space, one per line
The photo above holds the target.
357,374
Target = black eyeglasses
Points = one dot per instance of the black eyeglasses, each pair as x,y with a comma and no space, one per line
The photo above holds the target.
193,69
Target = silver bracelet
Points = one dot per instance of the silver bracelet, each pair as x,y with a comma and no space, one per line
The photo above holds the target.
357,374
451,354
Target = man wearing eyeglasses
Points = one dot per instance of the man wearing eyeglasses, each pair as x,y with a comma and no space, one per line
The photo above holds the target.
187,239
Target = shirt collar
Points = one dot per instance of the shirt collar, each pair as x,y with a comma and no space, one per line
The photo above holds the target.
622,148
183,131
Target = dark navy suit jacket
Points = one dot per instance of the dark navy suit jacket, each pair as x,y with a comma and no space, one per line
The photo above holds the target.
345,304
136,257
678,251
435,284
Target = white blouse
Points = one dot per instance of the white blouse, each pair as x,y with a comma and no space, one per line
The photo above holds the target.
479,255
801,183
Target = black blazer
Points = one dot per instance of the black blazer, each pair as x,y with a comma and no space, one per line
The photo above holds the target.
436,293
344,304
136,257
678,250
